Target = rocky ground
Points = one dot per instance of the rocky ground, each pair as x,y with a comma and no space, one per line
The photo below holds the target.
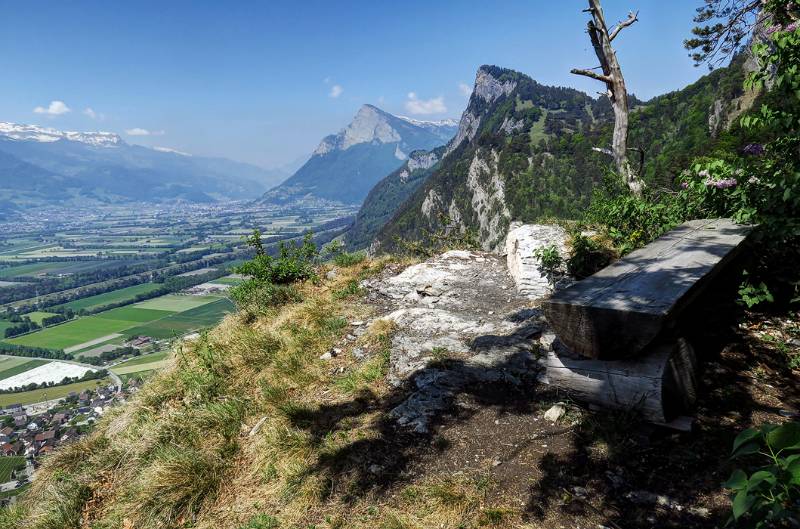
468,404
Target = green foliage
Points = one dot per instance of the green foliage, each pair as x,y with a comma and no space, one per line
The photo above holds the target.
631,221
588,256
257,296
550,260
351,289
752,295
295,262
261,521
771,494
434,242
335,250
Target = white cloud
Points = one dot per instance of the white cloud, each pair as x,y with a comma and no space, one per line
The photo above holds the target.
89,111
56,108
336,91
465,89
435,105
136,131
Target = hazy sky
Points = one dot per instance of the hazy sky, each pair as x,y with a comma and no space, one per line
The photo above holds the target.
264,81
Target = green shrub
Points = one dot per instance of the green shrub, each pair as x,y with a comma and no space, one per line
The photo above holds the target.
550,261
630,221
346,259
295,262
431,243
587,256
770,495
257,296
335,252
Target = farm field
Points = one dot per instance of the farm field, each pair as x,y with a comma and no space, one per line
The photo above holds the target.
14,365
41,395
144,359
160,318
176,302
38,316
73,333
107,298
56,268
228,280
141,365
183,322
8,464
129,370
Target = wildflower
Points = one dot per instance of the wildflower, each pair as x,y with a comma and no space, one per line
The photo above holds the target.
753,180
684,185
753,149
704,173
725,183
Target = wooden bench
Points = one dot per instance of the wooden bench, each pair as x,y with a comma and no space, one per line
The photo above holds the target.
621,309
613,344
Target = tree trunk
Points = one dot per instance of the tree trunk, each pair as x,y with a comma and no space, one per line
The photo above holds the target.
615,88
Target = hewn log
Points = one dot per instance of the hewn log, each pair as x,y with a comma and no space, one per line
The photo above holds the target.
660,385
618,311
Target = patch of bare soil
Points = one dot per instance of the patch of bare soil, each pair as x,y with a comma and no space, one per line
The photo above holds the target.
601,469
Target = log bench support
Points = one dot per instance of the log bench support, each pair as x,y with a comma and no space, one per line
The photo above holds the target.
661,385
617,344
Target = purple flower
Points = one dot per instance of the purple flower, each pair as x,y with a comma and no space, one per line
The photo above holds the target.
753,149
684,185
772,29
725,183
791,27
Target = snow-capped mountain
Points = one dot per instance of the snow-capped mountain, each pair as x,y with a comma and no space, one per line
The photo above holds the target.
41,164
15,131
346,165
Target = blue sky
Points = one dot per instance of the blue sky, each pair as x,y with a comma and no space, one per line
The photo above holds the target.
264,81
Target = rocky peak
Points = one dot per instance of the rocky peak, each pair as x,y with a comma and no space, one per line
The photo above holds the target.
491,83
488,87
369,125
20,132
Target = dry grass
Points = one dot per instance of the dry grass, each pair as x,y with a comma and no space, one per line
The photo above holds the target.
244,430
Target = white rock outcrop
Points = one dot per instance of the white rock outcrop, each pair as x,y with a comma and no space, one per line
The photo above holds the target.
521,243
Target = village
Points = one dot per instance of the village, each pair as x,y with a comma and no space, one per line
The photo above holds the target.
31,431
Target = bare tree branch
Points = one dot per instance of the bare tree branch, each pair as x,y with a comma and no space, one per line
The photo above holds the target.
593,75
632,17
612,76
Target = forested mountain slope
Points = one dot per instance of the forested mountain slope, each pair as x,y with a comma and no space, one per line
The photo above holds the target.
524,151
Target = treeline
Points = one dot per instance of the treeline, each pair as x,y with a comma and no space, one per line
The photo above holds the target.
157,276
38,286
89,375
33,352
108,356
23,324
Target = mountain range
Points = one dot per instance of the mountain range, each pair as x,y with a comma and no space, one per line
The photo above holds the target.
345,166
525,152
41,165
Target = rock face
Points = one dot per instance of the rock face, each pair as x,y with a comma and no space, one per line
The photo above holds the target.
388,194
459,321
521,244
346,165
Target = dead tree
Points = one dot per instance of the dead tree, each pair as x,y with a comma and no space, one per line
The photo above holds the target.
611,75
